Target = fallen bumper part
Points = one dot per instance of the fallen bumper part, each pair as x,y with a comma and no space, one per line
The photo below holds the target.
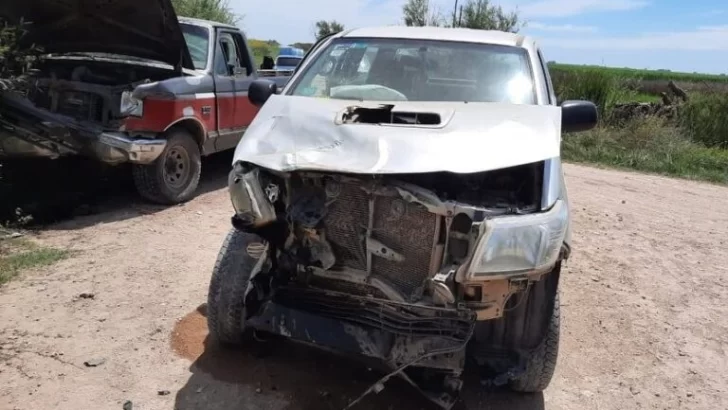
407,340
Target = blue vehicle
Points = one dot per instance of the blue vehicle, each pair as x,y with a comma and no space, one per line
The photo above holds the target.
288,58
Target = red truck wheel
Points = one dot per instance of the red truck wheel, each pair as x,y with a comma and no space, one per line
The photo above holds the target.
174,176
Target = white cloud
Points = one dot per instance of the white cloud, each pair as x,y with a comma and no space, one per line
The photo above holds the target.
709,38
569,28
565,8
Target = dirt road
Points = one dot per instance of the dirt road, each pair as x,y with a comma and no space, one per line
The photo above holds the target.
645,303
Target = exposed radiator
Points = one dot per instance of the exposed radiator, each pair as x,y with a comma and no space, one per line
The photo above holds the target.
405,228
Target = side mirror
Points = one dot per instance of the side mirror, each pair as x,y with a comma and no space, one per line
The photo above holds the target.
577,116
260,90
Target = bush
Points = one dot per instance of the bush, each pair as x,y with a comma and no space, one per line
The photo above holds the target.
648,144
15,59
704,119
596,85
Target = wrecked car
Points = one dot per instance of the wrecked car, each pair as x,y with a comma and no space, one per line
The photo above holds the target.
129,82
402,200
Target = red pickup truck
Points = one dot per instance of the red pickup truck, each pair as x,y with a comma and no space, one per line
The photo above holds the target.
129,82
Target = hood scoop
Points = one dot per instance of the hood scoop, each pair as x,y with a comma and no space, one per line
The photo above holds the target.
387,114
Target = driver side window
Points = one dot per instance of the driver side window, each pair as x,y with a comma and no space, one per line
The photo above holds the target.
230,55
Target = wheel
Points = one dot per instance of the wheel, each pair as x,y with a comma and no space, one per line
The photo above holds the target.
541,361
174,176
528,331
241,254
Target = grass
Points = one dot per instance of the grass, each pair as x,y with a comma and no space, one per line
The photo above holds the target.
595,85
645,98
19,254
641,74
649,145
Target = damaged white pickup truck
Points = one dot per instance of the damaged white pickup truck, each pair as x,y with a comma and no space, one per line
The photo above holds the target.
402,200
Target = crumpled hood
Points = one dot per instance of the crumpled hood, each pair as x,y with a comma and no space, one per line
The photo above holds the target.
302,133
138,28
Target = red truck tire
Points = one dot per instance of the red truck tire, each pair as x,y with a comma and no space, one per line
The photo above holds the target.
173,178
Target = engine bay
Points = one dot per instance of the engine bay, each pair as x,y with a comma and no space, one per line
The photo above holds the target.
86,89
384,236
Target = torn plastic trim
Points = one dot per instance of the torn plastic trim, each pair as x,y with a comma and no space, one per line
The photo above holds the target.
552,183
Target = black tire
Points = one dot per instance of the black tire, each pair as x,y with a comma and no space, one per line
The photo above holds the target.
541,361
174,176
238,257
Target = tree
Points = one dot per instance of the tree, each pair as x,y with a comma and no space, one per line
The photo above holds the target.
324,28
215,10
481,14
262,48
419,13
15,58
415,12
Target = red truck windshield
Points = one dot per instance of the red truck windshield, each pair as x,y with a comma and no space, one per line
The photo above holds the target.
198,42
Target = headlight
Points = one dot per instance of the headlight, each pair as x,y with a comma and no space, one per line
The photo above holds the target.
521,243
130,105
250,200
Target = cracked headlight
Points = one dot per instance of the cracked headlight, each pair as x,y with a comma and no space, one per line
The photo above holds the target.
131,105
521,243
251,200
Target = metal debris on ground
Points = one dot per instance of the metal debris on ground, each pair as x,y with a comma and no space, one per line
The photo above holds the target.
94,362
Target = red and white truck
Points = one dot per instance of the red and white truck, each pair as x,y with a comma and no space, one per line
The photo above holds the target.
129,82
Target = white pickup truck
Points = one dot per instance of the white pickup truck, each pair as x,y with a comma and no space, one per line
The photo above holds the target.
402,199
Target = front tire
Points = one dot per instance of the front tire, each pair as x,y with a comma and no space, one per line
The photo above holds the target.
541,361
174,176
239,256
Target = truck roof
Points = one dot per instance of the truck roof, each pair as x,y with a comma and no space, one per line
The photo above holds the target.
206,23
441,33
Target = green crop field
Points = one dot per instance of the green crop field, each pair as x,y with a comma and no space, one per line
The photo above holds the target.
643,74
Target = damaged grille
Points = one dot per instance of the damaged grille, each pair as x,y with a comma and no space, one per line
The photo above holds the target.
409,320
81,106
404,230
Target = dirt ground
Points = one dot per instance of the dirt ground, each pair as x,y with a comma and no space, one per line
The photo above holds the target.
645,308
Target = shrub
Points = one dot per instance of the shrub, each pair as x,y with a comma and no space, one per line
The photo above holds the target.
596,85
704,119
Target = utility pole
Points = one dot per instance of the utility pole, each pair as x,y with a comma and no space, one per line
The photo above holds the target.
455,14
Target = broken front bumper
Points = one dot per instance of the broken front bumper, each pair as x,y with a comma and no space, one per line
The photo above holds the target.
29,131
406,340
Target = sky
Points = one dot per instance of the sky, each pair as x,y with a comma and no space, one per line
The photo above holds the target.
679,35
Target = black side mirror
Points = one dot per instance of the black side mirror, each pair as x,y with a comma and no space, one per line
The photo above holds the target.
577,116
260,90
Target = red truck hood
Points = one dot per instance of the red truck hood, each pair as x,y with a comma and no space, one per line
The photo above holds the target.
137,28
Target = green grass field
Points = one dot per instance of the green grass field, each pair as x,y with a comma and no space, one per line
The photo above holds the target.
642,74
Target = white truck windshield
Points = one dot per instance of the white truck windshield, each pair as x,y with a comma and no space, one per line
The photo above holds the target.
374,69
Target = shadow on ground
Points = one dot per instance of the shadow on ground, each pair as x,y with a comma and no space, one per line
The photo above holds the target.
279,375
52,191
